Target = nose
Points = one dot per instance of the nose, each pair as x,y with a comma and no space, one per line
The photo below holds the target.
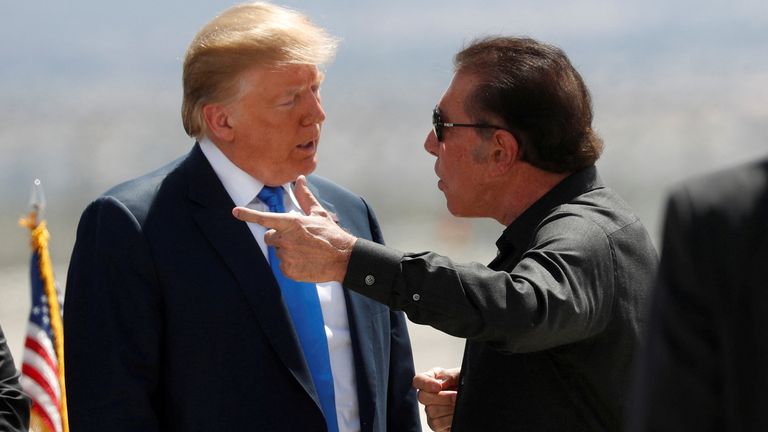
315,113
431,144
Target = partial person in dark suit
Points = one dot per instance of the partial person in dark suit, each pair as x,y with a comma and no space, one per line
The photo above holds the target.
14,404
553,321
704,363
175,320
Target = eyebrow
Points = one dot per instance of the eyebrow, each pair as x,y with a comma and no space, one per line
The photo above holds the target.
295,89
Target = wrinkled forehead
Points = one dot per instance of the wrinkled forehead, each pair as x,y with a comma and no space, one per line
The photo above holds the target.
280,79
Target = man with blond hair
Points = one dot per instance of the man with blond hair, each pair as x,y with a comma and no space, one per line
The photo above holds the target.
178,317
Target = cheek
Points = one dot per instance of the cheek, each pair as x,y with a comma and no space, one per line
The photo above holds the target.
455,164
275,146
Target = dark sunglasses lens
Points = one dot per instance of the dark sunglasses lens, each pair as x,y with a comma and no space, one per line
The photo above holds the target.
437,124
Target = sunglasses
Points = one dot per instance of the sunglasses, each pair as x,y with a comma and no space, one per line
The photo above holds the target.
438,124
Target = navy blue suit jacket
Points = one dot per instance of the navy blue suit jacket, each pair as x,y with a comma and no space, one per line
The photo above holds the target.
174,321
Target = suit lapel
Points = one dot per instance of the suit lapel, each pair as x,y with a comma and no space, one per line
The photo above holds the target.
360,314
234,242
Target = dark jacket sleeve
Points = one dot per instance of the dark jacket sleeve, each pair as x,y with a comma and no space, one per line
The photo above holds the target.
14,404
560,291
402,407
112,325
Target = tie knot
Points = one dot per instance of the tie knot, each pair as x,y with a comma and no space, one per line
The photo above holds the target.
272,197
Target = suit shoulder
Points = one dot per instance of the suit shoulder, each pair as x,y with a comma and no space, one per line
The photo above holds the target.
730,206
138,194
740,190
334,193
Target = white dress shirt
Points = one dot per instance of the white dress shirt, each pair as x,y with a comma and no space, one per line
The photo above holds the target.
243,188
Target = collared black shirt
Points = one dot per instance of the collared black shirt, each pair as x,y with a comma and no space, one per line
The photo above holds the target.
551,323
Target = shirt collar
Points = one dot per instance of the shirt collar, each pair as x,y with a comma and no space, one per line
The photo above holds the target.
519,233
240,185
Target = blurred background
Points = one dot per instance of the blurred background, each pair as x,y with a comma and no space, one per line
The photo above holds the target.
90,94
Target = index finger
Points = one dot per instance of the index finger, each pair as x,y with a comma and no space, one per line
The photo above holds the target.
276,221
427,381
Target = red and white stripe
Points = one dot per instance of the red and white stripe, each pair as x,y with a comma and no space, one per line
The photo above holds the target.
40,377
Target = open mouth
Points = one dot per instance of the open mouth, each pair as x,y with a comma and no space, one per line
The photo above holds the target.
308,146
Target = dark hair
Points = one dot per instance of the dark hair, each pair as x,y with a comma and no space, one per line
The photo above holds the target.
535,91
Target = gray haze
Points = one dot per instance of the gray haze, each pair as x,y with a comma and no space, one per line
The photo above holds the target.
90,97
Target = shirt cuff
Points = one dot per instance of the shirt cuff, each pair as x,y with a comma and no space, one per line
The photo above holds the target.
372,270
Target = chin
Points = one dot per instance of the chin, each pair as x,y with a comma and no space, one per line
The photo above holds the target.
455,214
452,208
459,210
304,167
308,166
308,170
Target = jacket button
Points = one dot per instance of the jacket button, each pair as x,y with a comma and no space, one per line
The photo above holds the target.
416,297
370,280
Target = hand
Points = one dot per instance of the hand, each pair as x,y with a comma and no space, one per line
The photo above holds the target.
437,392
311,248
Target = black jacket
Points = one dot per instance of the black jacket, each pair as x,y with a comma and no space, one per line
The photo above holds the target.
551,324
705,364
14,404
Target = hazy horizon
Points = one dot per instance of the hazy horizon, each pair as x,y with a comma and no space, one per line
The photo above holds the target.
92,95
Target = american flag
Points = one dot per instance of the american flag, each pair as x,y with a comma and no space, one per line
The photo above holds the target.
43,361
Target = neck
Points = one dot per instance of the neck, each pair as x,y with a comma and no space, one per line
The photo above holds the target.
522,188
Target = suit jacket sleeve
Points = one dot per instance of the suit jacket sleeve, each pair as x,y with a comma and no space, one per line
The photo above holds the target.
676,384
402,407
561,290
14,404
112,324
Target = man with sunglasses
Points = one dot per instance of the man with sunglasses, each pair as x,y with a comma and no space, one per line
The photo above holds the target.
553,321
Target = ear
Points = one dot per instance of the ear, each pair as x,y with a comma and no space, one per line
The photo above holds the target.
219,122
504,152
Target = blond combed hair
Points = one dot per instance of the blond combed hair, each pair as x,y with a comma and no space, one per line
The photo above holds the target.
245,36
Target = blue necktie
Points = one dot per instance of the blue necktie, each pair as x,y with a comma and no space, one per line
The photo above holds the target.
307,316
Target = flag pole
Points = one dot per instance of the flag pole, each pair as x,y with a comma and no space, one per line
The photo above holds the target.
36,206
39,237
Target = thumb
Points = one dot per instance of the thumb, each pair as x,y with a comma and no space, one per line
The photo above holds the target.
449,378
430,380
307,201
